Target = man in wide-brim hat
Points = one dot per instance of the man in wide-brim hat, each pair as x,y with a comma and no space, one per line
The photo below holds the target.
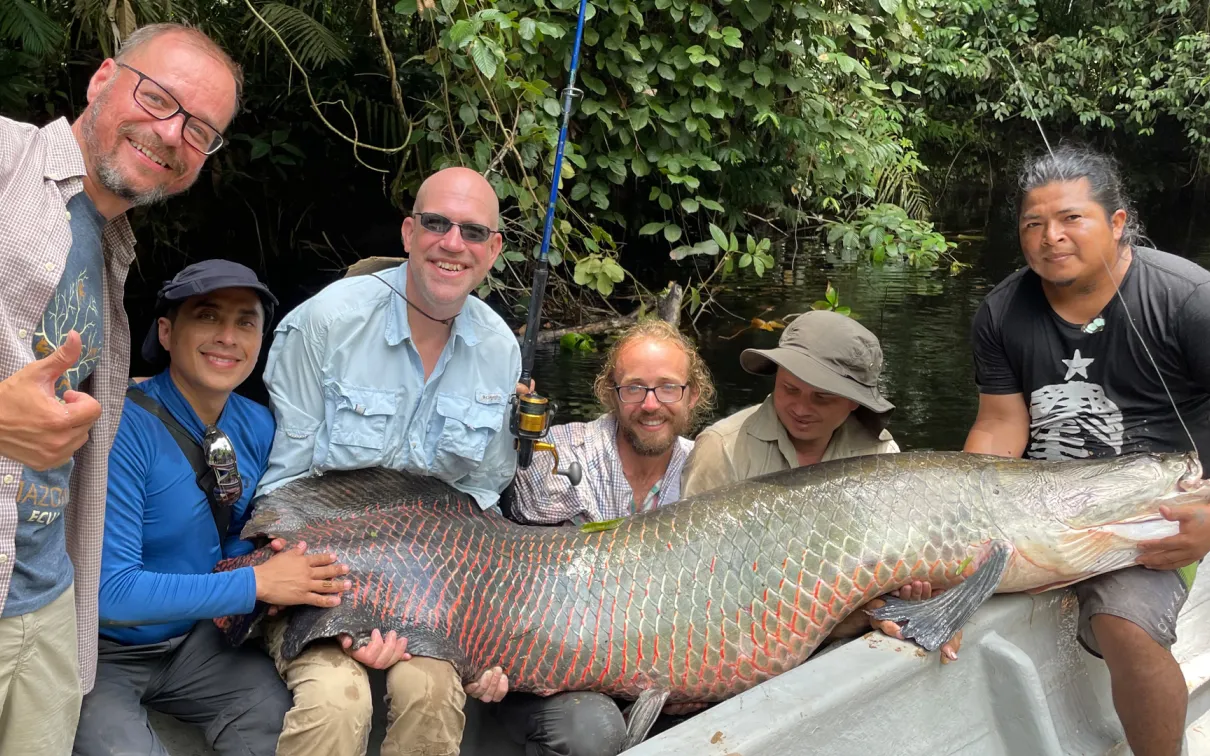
825,404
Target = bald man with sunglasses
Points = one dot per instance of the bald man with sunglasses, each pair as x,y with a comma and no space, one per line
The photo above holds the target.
400,368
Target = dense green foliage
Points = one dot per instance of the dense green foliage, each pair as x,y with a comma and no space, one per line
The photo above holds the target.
1131,76
704,128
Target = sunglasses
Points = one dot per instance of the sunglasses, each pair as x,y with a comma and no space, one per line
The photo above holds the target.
439,224
227,486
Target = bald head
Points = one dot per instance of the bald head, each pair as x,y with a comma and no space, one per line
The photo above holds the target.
460,184
443,266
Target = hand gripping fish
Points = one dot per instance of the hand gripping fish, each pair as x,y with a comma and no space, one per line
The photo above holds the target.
702,599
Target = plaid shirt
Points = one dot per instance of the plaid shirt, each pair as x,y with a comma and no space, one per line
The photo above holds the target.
40,170
541,497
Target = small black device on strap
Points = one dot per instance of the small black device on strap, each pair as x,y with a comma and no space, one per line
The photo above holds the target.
206,479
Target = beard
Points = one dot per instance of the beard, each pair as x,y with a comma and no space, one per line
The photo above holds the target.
654,447
105,167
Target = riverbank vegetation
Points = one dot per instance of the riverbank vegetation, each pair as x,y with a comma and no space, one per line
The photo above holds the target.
705,129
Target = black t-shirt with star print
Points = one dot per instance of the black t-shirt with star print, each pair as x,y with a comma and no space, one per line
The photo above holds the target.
1097,394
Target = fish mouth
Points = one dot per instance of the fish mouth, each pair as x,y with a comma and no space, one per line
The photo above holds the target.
1192,480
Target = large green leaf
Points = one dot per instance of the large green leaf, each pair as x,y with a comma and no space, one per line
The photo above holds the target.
485,59
22,21
311,42
760,9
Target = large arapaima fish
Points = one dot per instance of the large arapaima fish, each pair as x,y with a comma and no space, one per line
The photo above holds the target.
705,598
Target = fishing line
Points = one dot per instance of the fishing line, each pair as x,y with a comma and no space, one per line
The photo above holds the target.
1033,115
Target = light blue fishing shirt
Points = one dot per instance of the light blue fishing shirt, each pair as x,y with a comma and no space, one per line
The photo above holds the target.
348,391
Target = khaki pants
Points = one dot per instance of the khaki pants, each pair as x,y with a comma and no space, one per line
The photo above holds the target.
332,706
39,680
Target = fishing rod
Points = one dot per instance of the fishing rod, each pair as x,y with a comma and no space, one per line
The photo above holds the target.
531,413
1117,289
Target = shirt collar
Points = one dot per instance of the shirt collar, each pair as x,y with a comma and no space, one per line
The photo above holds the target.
64,159
397,327
65,162
764,426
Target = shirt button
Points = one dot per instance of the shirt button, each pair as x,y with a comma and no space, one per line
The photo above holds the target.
50,266
8,481
3,558
21,333
69,215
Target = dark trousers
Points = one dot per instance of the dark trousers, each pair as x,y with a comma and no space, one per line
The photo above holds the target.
565,724
233,694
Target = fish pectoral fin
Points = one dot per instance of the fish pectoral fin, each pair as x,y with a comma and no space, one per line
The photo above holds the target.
641,715
934,621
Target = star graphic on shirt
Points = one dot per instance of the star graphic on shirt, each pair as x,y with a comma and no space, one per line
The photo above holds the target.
1077,365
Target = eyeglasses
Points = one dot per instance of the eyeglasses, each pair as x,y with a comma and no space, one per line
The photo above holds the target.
159,103
668,393
439,224
227,486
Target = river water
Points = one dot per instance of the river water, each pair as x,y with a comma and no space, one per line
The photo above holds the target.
922,319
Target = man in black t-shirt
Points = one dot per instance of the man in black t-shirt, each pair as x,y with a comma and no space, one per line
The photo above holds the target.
1099,348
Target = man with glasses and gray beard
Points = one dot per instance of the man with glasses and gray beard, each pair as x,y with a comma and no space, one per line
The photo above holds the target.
156,111
654,387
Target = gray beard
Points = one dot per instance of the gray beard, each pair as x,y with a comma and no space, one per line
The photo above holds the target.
107,174
112,181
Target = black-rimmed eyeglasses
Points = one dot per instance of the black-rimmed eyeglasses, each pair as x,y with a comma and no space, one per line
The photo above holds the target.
160,104
668,393
439,224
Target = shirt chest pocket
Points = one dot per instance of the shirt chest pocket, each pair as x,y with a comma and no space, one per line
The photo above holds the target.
468,426
361,416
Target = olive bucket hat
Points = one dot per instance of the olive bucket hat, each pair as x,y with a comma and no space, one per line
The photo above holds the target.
833,353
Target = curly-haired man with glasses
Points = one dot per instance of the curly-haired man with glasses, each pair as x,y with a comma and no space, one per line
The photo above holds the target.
655,388
155,112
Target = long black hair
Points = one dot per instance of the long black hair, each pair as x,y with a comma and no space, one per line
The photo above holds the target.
1072,163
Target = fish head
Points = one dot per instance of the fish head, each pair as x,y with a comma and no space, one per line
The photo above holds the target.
1071,520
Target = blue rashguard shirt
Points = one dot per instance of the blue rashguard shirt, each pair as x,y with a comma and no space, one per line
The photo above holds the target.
161,545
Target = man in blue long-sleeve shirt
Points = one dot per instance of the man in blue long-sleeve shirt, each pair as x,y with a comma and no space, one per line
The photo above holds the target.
159,592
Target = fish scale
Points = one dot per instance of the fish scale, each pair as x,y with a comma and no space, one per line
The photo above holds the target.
703,598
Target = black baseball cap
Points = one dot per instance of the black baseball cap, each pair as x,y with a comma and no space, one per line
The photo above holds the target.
202,278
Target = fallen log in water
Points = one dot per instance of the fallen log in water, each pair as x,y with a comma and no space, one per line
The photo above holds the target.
667,307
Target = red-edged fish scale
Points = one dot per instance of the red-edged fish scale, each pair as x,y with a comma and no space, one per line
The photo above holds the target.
704,598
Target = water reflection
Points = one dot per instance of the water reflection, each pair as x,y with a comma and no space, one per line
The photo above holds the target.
922,319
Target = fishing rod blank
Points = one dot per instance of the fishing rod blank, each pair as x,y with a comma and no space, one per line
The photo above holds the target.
531,413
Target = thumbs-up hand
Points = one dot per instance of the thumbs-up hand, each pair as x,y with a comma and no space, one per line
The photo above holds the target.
36,429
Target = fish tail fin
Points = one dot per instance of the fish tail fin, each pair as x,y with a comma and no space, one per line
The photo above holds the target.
934,621
641,715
